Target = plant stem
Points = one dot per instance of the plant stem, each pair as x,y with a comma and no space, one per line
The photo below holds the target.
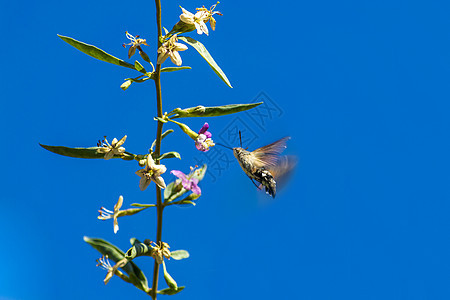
159,204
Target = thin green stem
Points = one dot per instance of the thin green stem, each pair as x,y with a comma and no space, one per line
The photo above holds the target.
159,204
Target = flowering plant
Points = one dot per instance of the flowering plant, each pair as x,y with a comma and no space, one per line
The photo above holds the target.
183,190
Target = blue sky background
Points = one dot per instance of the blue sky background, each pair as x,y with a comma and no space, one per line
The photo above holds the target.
361,86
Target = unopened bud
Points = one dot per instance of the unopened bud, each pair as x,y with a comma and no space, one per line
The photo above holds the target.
126,85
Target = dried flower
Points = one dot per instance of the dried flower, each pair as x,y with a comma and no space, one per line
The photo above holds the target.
204,141
136,43
160,251
151,172
189,182
171,48
104,263
198,20
113,149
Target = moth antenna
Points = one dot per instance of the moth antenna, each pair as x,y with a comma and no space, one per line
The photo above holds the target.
240,138
224,146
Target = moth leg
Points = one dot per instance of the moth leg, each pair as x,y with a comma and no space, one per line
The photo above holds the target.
258,187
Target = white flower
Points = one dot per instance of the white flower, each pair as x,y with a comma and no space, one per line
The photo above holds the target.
105,264
151,172
106,214
135,44
111,150
198,20
171,48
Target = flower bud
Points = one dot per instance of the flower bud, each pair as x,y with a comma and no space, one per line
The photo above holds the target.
126,85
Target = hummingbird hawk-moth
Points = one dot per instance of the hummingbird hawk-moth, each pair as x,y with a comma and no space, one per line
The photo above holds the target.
265,165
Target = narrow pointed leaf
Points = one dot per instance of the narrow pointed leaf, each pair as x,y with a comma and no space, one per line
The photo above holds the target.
165,133
96,52
179,254
170,291
143,205
89,153
205,54
211,111
173,69
172,154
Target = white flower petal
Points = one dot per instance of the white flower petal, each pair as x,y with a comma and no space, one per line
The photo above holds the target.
118,204
203,28
162,57
159,181
144,183
116,225
120,142
176,58
109,155
180,47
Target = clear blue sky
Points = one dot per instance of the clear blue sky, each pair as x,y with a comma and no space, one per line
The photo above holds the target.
361,86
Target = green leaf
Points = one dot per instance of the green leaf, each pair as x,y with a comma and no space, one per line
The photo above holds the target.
205,54
173,69
211,111
165,133
115,254
96,52
171,189
170,291
143,205
139,249
179,254
90,152
172,154
169,280
139,67
181,27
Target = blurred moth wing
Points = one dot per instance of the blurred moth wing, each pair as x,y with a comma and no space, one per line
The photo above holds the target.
265,164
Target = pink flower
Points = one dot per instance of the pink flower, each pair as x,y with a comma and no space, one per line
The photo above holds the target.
204,141
190,184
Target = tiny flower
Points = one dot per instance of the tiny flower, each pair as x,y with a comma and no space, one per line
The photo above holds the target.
189,183
160,251
198,20
151,172
204,141
106,214
104,263
136,43
111,150
171,48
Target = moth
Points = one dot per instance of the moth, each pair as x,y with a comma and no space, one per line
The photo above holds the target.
265,165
